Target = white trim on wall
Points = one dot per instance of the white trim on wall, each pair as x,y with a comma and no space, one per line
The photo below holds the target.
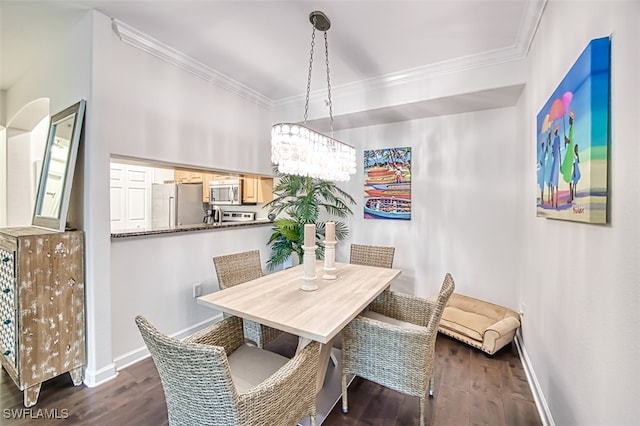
534,385
516,52
156,48
142,352
93,378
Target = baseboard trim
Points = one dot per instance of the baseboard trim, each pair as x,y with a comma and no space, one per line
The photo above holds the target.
141,353
538,396
93,378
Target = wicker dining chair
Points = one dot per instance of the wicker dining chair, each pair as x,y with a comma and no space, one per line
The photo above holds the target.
372,255
214,378
367,255
238,268
393,343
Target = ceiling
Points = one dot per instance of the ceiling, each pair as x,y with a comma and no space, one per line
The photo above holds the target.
264,45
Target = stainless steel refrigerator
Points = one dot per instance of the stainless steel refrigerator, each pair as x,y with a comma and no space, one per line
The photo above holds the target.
175,204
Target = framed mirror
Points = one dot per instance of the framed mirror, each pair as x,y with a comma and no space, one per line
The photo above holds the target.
58,164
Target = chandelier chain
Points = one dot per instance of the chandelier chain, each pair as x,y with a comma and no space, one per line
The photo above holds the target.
326,54
306,102
299,150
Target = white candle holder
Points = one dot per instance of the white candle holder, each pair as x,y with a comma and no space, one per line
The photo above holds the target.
309,268
329,260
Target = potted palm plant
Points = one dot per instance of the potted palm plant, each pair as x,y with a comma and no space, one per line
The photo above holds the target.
298,200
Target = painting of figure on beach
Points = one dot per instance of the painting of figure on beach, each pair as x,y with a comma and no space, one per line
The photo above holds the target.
387,183
572,141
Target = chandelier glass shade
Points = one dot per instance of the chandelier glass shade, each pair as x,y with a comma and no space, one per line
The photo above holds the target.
298,150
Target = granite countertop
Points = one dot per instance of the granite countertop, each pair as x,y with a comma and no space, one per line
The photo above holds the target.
141,232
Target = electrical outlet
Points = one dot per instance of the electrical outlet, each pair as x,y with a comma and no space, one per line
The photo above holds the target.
197,290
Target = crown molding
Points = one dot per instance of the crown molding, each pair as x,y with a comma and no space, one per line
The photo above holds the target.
516,52
160,50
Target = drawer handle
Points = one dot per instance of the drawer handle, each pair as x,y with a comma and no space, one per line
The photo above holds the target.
7,352
6,290
7,321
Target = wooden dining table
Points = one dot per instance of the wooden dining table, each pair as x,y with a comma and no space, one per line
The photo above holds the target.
277,300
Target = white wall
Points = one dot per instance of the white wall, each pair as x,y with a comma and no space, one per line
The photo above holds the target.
24,153
19,168
157,281
143,107
463,188
580,282
473,192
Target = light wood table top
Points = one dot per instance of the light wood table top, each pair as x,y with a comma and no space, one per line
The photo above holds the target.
276,299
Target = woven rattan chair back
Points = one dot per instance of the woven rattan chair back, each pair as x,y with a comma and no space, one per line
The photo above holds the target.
238,268
400,358
447,288
192,399
372,255
199,388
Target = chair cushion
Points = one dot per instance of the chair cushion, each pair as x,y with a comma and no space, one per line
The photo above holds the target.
250,366
469,324
389,320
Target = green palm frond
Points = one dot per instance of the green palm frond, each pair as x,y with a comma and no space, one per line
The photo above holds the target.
299,200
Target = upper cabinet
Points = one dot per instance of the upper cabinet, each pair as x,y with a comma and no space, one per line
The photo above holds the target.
206,178
188,176
257,189
195,176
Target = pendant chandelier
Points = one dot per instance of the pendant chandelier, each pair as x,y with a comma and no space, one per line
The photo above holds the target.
299,150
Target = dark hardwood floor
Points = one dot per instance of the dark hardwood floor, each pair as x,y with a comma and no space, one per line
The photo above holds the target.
470,389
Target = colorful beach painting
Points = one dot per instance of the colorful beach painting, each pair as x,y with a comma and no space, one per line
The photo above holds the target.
387,183
572,141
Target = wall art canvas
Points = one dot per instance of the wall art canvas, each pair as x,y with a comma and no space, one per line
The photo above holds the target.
387,183
572,141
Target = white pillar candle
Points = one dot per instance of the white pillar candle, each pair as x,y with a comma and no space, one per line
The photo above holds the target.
309,235
330,231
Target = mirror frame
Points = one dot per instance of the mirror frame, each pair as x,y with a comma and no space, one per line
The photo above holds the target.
59,222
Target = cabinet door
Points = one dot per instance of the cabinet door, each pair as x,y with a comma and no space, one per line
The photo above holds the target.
206,177
195,177
257,189
250,190
181,176
265,190
8,306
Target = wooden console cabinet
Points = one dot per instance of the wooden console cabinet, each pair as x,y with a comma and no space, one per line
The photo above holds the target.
42,319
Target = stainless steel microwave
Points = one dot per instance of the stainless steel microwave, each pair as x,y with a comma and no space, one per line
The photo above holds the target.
225,192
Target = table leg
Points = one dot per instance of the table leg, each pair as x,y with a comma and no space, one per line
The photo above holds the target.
325,353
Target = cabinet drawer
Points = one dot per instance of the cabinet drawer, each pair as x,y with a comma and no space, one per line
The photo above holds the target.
8,306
